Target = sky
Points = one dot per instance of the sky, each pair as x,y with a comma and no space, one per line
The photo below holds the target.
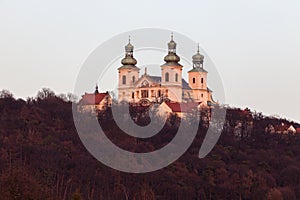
254,44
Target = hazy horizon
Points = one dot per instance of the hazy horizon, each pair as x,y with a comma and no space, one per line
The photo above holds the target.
254,45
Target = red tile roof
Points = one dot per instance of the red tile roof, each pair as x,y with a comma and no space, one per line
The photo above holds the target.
182,107
298,130
92,99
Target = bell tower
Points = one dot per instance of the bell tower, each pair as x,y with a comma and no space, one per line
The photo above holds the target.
198,78
171,73
128,74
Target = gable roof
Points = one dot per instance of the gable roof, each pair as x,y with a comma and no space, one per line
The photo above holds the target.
92,99
182,107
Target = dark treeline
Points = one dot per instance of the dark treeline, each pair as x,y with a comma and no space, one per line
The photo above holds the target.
42,157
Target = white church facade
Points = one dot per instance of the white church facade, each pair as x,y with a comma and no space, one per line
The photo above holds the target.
146,89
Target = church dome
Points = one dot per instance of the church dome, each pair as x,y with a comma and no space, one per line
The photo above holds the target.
198,57
128,60
172,57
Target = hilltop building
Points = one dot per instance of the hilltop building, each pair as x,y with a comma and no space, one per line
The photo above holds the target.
91,102
169,90
169,87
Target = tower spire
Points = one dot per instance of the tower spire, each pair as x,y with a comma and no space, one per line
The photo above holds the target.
198,59
96,89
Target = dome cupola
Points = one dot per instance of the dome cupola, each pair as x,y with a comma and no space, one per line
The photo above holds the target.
129,60
198,59
172,57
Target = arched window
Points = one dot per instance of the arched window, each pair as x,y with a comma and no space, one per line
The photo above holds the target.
194,80
159,93
132,95
133,79
124,80
167,77
176,77
202,80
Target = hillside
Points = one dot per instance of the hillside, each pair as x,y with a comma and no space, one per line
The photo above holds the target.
42,157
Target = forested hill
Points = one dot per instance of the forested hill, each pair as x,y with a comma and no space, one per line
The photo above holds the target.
42,157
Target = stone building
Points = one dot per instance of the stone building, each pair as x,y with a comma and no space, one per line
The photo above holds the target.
146,89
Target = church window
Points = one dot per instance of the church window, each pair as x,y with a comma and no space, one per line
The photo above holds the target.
194,80
152,93
159,93
176,77
202,80
167,77
133,79
202,95
124,80
132,95
145,94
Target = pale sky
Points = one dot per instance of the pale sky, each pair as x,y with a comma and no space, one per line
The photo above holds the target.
255,45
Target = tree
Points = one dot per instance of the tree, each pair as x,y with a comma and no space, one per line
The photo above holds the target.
5,94
76,195
45,93
72,97
274,194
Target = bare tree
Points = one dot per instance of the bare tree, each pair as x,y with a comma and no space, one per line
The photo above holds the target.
72,97
6,94
45,93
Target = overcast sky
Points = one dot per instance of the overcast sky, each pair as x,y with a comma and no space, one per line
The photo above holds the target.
255,45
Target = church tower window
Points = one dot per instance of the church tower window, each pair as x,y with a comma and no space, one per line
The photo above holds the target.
176,77
167,77
194,80
124,80
202,80
133,79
